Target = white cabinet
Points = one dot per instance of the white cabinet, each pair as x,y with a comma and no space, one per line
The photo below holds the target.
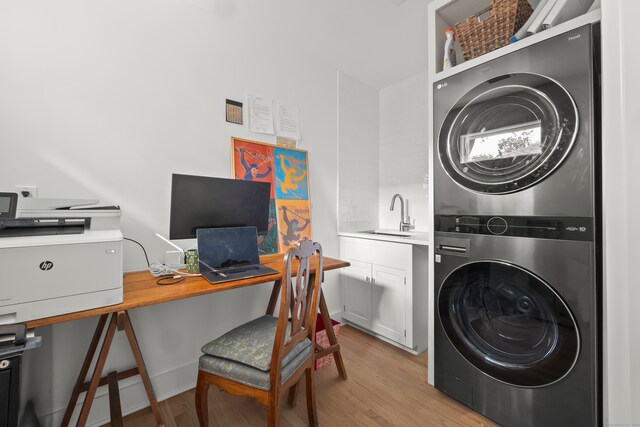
381,291
389,296
356,290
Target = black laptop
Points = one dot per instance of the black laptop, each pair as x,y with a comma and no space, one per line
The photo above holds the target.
226,254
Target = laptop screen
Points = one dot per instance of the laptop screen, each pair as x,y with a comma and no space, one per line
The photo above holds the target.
227,247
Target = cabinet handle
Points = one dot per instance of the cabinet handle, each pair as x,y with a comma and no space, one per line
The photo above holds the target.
367,279
373,281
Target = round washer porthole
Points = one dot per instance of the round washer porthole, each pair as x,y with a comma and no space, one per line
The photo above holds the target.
508,323
508,133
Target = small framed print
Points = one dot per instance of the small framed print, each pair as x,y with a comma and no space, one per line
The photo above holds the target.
234,111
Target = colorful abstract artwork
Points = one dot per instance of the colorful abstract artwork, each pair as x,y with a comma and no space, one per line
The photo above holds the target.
287,170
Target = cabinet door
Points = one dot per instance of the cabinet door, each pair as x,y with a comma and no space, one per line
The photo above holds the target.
388,293
356,291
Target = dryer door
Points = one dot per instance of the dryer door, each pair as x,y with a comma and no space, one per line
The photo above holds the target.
508,133
508,323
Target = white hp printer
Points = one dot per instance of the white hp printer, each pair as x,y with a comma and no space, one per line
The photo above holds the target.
56,258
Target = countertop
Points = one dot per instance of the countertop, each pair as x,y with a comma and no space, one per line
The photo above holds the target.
420,238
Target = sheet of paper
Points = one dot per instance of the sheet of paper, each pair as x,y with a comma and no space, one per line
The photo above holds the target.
260,114
289,121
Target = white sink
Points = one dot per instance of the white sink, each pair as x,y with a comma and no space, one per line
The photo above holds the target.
388,233
420,238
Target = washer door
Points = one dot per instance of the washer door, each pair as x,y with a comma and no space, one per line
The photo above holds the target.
508,323
508,133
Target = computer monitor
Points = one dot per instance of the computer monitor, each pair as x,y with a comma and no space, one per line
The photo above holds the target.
205,202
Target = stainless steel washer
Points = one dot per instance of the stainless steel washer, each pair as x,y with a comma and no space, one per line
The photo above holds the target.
516,335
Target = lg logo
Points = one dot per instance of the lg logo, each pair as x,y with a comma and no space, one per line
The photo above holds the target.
441,85
46,265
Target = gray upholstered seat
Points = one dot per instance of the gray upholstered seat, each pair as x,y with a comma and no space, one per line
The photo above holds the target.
244,353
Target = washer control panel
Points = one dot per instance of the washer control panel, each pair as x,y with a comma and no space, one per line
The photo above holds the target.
561,228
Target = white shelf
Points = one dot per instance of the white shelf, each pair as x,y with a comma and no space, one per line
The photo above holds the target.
453,11
587,18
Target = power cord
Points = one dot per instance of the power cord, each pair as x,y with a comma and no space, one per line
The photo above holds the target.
156,269
169,280
166,274
143,250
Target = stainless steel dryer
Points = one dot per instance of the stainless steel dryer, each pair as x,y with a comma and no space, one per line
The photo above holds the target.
515,136
516,319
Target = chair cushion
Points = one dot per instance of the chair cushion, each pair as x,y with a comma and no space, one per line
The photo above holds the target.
249,375
252,344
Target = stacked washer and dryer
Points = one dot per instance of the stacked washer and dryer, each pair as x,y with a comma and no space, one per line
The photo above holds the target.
517,247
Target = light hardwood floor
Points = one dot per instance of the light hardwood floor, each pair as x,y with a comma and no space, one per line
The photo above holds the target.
386,387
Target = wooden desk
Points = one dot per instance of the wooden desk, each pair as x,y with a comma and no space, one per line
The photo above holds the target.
140,290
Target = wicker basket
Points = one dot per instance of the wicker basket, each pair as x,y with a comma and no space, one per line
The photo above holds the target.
492,27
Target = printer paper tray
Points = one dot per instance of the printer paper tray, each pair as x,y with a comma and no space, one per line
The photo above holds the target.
56,306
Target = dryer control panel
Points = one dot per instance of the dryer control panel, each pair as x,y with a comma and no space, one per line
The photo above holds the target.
560,228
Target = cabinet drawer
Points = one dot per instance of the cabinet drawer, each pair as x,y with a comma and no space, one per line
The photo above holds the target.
397,255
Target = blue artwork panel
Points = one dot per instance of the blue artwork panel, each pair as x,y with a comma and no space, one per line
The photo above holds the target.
291,174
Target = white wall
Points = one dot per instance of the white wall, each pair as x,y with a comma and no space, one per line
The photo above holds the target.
105,99
621,200
403,151
358,154
382,151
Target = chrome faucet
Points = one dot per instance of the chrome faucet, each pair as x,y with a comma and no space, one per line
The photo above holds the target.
405,224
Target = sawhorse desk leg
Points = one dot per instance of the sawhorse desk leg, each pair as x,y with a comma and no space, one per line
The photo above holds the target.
334,347
119,321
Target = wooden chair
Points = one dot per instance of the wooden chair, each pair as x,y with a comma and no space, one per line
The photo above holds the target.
268,355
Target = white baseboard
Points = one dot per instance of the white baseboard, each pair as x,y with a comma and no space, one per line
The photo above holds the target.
132,395
415,351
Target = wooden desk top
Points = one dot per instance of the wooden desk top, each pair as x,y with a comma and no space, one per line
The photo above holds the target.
140,290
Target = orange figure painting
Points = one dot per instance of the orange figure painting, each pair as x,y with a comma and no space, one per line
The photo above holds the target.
253,162
294,222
